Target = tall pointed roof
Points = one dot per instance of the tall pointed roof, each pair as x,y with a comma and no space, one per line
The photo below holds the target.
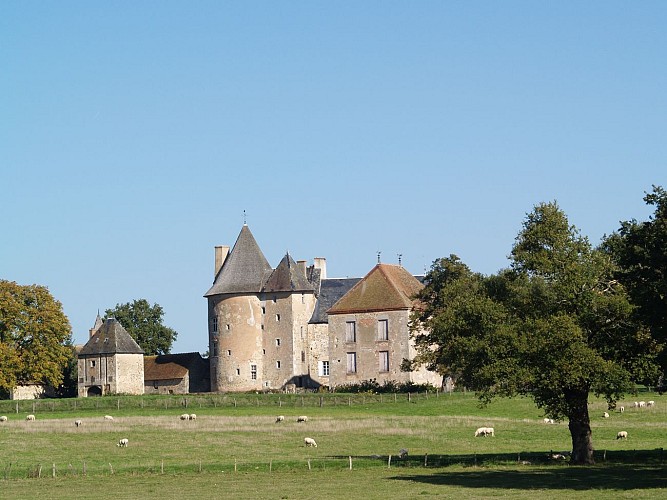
244,270
111,338
385,288
287,278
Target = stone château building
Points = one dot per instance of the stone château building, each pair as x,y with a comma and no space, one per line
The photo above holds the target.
292,326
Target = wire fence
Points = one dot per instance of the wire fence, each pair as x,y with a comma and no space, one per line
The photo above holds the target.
166,402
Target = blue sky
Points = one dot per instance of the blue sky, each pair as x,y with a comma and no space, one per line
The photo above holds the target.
133,135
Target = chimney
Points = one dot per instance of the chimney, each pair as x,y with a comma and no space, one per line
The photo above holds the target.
221,253
301,266
321,264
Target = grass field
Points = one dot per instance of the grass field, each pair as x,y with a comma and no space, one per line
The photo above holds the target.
236,450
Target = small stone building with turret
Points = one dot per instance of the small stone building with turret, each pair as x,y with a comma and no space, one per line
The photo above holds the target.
111,362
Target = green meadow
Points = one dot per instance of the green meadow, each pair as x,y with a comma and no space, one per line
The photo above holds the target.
235,448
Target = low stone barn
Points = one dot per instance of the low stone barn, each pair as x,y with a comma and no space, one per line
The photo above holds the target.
176,374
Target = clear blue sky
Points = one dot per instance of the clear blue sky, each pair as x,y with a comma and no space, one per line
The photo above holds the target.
134,134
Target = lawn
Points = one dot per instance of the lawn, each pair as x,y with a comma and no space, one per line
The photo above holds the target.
238,449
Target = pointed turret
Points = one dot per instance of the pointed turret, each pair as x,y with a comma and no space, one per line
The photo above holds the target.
111,338
244,270
288,277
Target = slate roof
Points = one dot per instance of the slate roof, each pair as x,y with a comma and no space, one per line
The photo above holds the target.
287,278
386,287
331,290
111,338
245,269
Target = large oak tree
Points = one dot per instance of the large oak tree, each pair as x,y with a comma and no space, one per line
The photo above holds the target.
35,336
554,326
144,324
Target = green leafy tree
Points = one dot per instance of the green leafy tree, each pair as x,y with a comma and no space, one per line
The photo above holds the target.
144,323
640,250
554,326
35,336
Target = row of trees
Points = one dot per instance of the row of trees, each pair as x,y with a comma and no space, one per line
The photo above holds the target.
563,320
36,341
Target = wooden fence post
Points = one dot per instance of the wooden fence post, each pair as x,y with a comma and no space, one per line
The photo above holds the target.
53,473
350,457
389,462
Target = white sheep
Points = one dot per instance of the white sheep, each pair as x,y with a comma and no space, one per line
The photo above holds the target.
605,415
642,404
310,442
30,418
558,456
622,435
3,418
123,443
548,420
185,416
650,403
108,417
402,453
621,409
635,404
302,418
280,418
78,423
485,431
193,416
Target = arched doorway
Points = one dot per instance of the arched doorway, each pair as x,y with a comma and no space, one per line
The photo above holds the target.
94,390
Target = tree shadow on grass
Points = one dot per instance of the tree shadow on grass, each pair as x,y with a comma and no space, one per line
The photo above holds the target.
605,477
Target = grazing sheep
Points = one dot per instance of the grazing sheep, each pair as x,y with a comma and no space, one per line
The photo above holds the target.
3,418
185,416
193,416
78,423
605,415
635,405
642,404
30,418
123,443
310,442
622,435
302,418
548,420
621,409
650,403
484,431
108,417
280,418
402,453
558,456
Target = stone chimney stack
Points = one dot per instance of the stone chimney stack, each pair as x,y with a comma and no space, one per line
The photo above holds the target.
321,264
221,253
301,266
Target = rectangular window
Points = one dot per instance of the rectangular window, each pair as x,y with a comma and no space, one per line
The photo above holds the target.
229,327
303,356
278,364
263,310
229,352
92,363
323,369
383,329
238,371
214,324
253,372
351,362
277,342
350,331
384,361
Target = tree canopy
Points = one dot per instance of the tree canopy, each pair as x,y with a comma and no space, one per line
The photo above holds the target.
35,336
144,324
554,326
640,250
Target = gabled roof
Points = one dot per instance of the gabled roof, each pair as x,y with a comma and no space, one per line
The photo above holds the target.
386,287
163,369
111,338
287,278
331,289
244,270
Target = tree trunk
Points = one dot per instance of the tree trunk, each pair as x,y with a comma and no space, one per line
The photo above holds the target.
580,427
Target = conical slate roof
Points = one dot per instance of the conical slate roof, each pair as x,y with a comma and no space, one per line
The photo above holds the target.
287,278
385,288
244,270
111,338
